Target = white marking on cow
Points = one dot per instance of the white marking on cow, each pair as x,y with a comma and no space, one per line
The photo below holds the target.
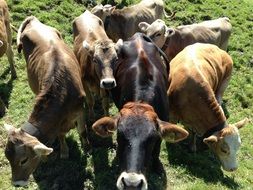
131,180
20,183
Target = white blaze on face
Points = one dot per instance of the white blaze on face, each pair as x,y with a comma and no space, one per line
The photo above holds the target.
232,144
131,180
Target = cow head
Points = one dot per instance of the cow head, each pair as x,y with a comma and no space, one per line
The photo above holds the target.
103,11
225,144
157,31
24,153
104,55
139,133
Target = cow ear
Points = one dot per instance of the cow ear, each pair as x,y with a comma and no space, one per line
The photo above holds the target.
9,128
143,26
105,126
241,123
42,150
210,140
169,32
171,132
118,45
1,43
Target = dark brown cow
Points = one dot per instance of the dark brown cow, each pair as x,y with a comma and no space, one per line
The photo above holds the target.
198,78
173,40
96,54
55,77
142,82
123,23
5,36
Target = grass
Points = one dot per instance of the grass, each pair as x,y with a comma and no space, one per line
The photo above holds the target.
99,169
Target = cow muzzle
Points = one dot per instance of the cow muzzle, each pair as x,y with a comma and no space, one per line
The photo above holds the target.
108,83
132,181
20,183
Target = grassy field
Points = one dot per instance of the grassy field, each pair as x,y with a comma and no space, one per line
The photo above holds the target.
99,169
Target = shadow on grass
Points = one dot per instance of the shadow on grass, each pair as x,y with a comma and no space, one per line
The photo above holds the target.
201,164
6,88
63,174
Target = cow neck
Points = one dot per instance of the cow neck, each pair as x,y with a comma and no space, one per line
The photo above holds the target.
34,131
166,44
106,23
214,129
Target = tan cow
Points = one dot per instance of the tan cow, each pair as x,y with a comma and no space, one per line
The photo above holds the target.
55,77
97,55
173,40
5,37
198,78
123,23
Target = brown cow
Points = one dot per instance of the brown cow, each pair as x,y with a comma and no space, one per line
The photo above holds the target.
55,77
142,100
173,40
5,37
198,78
123,23
96,54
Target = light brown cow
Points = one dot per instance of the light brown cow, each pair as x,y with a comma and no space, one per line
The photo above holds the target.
123,23
198,78
97,55
55,77
173,40
5,37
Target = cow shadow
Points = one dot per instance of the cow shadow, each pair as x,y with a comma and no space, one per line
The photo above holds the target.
64,174
202,164
5,91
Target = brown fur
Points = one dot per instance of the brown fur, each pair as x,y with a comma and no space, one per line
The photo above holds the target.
5,36
197,73
123,23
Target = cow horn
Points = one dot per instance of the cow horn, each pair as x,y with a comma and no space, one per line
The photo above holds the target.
241,123
170,16
1,43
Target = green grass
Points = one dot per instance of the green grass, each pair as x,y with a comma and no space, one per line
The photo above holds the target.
98,169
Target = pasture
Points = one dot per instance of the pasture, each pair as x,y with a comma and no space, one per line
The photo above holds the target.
98,169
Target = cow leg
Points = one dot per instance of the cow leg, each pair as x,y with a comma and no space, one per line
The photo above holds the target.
220,91
64,150
193,143
83,131
105,102
9,53
90,101
2,108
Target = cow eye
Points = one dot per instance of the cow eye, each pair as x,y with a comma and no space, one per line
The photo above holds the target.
224,150
23,161
158,34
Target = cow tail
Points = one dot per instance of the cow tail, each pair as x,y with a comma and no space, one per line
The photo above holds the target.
21,29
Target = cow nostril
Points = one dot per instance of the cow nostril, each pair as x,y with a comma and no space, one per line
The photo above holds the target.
123,181
140,184
108,84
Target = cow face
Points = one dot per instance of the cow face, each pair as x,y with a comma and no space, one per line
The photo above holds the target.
24,153
139,133
104,55
103,11
225,145
157,31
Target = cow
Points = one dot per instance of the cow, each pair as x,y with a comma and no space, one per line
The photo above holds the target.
173,40
123,23
96,54
54,76
5,37
198,78
141,124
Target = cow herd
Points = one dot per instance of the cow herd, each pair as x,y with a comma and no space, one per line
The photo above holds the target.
156,79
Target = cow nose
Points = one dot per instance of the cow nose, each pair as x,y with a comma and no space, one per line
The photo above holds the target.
108,83
132,181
